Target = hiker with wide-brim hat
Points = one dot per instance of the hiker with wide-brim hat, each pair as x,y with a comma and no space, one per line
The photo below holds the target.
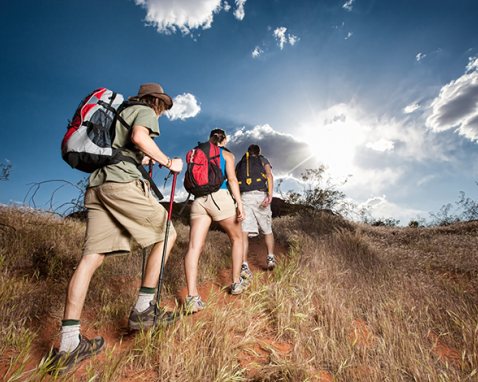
120,206
223,206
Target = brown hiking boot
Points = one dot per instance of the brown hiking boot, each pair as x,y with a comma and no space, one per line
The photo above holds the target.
62,362
145,320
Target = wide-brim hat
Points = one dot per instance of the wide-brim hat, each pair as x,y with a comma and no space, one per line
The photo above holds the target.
157,91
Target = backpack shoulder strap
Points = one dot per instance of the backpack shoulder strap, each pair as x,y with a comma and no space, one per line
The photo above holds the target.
122,107
144,173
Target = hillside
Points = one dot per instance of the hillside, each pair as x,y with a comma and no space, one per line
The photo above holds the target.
347,302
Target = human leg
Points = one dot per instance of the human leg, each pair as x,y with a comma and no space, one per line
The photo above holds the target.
153,265
270,259
269,239
233,230
245,243
73,346
78,286
75,299
197,237
245,270
142,315
264,221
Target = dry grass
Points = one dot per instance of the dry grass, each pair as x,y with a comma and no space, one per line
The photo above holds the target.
357,303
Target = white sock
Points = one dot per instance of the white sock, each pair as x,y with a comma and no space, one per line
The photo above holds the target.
143,301
270,255
245,263
70,338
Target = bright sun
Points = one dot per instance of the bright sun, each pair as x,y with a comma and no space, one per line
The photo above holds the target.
334,137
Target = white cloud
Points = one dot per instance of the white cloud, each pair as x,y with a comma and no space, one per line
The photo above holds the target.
239,12
411,108
381,145
293,39
348,5
284,38
426,179
349,34
378,151
472,64
226,6
456,106
381,208
256,52
184,106
420,56
170,16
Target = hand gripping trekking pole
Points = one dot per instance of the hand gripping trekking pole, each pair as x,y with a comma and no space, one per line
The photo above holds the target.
165,247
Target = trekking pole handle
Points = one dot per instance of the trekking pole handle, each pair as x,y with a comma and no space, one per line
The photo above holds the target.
173,187
150,168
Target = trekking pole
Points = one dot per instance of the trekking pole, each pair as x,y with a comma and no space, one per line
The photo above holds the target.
145,253
165,247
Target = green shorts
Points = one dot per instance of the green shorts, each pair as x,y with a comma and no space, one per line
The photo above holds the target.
118,212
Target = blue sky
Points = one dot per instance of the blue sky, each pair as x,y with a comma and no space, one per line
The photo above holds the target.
384,93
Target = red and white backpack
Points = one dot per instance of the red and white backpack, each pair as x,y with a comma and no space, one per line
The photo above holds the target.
87,144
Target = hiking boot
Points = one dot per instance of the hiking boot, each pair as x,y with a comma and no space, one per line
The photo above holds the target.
62,362
241,286
145,320
246,273
193,304
271,262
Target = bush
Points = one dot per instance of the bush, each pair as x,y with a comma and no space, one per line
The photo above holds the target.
320,193
5,169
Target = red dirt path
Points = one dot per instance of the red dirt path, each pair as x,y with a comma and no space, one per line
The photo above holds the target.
121,340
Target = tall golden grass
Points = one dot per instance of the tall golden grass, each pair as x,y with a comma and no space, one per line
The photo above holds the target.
347,302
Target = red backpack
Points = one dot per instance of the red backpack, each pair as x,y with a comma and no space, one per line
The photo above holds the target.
203,173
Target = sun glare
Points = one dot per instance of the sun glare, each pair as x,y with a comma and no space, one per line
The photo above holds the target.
334,137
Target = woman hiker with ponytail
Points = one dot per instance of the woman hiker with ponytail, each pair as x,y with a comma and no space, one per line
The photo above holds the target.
223,208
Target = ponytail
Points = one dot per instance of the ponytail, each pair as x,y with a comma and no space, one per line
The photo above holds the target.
217,136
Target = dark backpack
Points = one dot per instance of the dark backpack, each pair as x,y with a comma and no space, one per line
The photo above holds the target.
203,172
87,144
251,174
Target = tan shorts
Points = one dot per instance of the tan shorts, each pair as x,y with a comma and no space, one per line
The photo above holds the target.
257,217
219,206
118,212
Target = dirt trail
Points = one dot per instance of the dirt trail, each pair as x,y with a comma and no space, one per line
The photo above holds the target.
119,338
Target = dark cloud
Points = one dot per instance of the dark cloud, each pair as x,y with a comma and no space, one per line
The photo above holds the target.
287,154
461,104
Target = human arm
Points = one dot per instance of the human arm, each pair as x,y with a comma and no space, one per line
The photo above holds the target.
140,138
233,183
270,185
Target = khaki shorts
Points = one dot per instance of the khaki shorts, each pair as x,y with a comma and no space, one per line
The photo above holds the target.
257,217
118,212
219,206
